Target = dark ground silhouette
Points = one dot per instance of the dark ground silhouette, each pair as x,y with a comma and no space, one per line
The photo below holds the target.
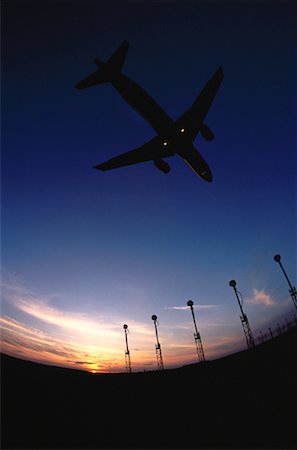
246,400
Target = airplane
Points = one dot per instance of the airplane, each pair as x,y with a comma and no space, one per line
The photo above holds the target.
173,137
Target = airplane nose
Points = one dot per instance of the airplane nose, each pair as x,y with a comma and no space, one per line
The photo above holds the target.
207,175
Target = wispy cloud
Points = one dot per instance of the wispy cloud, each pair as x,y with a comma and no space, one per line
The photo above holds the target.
184,308
78,322
260,297
97,325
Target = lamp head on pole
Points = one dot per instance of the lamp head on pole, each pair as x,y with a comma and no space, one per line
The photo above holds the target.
125,327
190,303
232,283
154,317
277,258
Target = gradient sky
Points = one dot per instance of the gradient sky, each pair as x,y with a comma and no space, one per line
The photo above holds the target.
83,251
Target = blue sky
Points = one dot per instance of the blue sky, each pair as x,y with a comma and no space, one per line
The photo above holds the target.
81,248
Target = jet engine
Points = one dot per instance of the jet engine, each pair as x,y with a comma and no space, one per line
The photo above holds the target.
206,132
162,165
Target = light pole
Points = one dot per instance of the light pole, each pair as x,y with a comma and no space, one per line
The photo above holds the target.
244,320
158,345
197,337
292,289
127,352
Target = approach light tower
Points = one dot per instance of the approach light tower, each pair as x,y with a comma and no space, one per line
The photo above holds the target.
244,320
292,289
158,345
127,352
197,337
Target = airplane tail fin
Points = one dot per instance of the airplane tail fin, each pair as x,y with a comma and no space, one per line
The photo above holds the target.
106,70
117,59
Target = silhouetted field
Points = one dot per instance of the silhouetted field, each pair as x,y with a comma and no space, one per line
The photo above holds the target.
246,400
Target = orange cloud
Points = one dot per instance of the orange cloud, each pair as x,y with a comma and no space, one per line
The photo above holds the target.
261,297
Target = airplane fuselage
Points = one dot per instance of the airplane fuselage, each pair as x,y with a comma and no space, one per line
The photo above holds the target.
143,103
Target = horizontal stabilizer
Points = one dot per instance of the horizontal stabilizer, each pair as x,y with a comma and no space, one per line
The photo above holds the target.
95,78
106,70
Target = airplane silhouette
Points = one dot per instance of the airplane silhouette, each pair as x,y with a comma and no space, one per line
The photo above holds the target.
173,137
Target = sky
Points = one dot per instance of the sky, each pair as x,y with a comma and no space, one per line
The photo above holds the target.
84,252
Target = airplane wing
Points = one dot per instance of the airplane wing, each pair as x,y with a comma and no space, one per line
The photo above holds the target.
152,150
192,119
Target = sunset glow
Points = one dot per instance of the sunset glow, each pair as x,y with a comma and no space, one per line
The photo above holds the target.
95,343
